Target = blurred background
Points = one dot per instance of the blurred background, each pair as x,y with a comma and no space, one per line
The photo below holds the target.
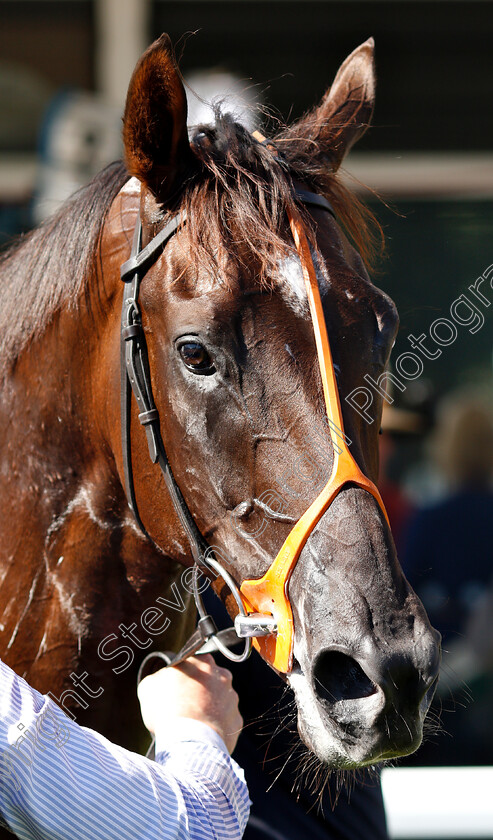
64,69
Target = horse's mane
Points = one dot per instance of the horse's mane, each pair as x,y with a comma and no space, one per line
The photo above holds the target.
235,196
46,269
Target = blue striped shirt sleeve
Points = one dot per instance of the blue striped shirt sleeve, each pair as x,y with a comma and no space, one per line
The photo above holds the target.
59,780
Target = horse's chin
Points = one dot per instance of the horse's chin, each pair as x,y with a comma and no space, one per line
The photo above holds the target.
351,734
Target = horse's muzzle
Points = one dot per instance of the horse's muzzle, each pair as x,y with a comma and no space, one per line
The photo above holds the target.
372,707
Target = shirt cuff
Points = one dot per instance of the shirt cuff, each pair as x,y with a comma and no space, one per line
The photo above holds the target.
182,729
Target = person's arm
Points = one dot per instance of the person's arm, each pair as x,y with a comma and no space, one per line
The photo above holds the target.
59,780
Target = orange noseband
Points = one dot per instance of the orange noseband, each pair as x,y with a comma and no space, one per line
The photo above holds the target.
269,594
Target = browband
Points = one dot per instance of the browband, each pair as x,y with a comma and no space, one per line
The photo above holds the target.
310,199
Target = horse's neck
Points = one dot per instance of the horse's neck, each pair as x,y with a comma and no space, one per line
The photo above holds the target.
50,446
73,566
62,394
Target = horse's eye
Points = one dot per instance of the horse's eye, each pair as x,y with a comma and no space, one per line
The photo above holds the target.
195,357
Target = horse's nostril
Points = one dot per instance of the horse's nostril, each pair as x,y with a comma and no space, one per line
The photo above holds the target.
339,677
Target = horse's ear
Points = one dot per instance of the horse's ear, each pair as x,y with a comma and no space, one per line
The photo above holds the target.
155,135
345,112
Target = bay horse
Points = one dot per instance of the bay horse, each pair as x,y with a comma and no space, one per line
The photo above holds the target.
84,592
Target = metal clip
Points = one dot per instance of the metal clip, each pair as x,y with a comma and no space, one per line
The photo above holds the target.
255,624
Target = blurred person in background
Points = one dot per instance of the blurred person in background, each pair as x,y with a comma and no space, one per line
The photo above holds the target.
406,420
399,425
448,558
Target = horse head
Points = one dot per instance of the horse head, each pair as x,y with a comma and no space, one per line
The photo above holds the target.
237,384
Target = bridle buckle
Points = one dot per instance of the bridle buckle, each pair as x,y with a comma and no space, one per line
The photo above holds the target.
255,624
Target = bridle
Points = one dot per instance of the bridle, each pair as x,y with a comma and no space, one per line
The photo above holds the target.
264,610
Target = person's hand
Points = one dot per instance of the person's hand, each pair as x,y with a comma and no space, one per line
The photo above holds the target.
198,689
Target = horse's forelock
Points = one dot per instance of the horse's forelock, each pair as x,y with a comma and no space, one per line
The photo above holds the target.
236,200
